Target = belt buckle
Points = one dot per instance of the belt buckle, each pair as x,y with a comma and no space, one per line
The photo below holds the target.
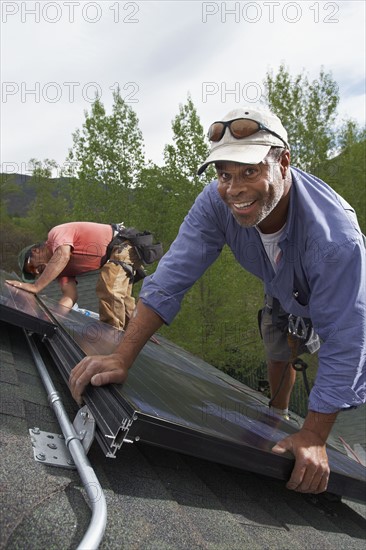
118,228
297,327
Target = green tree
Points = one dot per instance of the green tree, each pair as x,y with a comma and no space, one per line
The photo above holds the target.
106,160
158,203
182,157
50,206
346,173
9,233
189,148
349,134
308,110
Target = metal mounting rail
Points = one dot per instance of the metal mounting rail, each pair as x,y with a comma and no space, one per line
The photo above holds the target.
113,416
95,531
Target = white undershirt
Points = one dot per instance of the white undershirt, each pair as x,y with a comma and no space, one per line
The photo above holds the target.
270,242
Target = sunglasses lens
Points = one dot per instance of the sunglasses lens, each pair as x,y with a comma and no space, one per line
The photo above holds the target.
242,128
216,131
239,128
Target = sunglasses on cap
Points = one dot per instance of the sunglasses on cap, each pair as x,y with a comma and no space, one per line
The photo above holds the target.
239,128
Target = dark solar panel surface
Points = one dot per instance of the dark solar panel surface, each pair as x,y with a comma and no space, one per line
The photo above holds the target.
22,308
167,383
185,404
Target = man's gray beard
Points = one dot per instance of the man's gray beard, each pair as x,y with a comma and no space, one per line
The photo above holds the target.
262,215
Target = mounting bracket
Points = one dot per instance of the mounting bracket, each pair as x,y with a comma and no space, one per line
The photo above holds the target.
52,449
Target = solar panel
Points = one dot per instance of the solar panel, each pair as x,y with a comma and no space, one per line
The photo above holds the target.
175,400
23,309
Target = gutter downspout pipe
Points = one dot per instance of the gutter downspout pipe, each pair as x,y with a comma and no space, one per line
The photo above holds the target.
97,502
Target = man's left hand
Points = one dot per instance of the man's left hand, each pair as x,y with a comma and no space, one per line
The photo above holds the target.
311,470
29,287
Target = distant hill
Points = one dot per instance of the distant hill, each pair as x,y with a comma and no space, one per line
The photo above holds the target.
18,192
345,173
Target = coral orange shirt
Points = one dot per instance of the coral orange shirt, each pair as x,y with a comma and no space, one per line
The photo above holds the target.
88,241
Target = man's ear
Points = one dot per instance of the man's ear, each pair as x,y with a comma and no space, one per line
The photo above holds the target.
285,162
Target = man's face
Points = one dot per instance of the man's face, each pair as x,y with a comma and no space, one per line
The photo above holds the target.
36,263
254,192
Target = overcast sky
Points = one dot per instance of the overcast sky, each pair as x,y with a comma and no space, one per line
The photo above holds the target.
56,55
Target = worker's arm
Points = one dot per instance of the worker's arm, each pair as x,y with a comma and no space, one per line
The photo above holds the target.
54,267
311,470
338,314
107,369
69,294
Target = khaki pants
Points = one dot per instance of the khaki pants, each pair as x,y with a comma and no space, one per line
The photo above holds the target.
114,287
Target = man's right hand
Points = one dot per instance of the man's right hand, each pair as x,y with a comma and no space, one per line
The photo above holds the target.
97,370
29,287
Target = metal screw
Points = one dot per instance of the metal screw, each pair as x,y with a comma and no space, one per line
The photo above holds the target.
70,462
41,456
36,431
52,445
61,436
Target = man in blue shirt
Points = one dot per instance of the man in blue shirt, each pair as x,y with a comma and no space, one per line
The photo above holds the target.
302,239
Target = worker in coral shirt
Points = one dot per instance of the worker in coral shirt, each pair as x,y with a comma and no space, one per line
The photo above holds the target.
75,248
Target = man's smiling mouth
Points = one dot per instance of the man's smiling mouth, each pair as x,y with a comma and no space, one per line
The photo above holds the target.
241,205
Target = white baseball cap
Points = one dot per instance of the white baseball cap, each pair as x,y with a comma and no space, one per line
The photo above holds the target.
251,149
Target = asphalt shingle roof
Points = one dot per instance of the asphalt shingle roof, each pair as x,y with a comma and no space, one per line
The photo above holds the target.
156,499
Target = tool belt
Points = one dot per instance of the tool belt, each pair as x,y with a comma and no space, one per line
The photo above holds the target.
142,242
298,328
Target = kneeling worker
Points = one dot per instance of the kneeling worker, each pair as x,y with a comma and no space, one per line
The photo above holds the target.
79,247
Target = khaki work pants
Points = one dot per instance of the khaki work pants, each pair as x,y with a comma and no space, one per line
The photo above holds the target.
114,287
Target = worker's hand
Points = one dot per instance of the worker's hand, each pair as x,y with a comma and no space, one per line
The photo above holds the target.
311,470
97,370
29,287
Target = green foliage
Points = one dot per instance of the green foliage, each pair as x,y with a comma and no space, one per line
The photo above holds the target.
190,147
346,174
50,206
349,134
7,187
8,230
106,160
13,238
307,111
159,204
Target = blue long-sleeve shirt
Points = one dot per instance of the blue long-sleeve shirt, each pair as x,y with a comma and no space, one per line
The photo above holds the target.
323,264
